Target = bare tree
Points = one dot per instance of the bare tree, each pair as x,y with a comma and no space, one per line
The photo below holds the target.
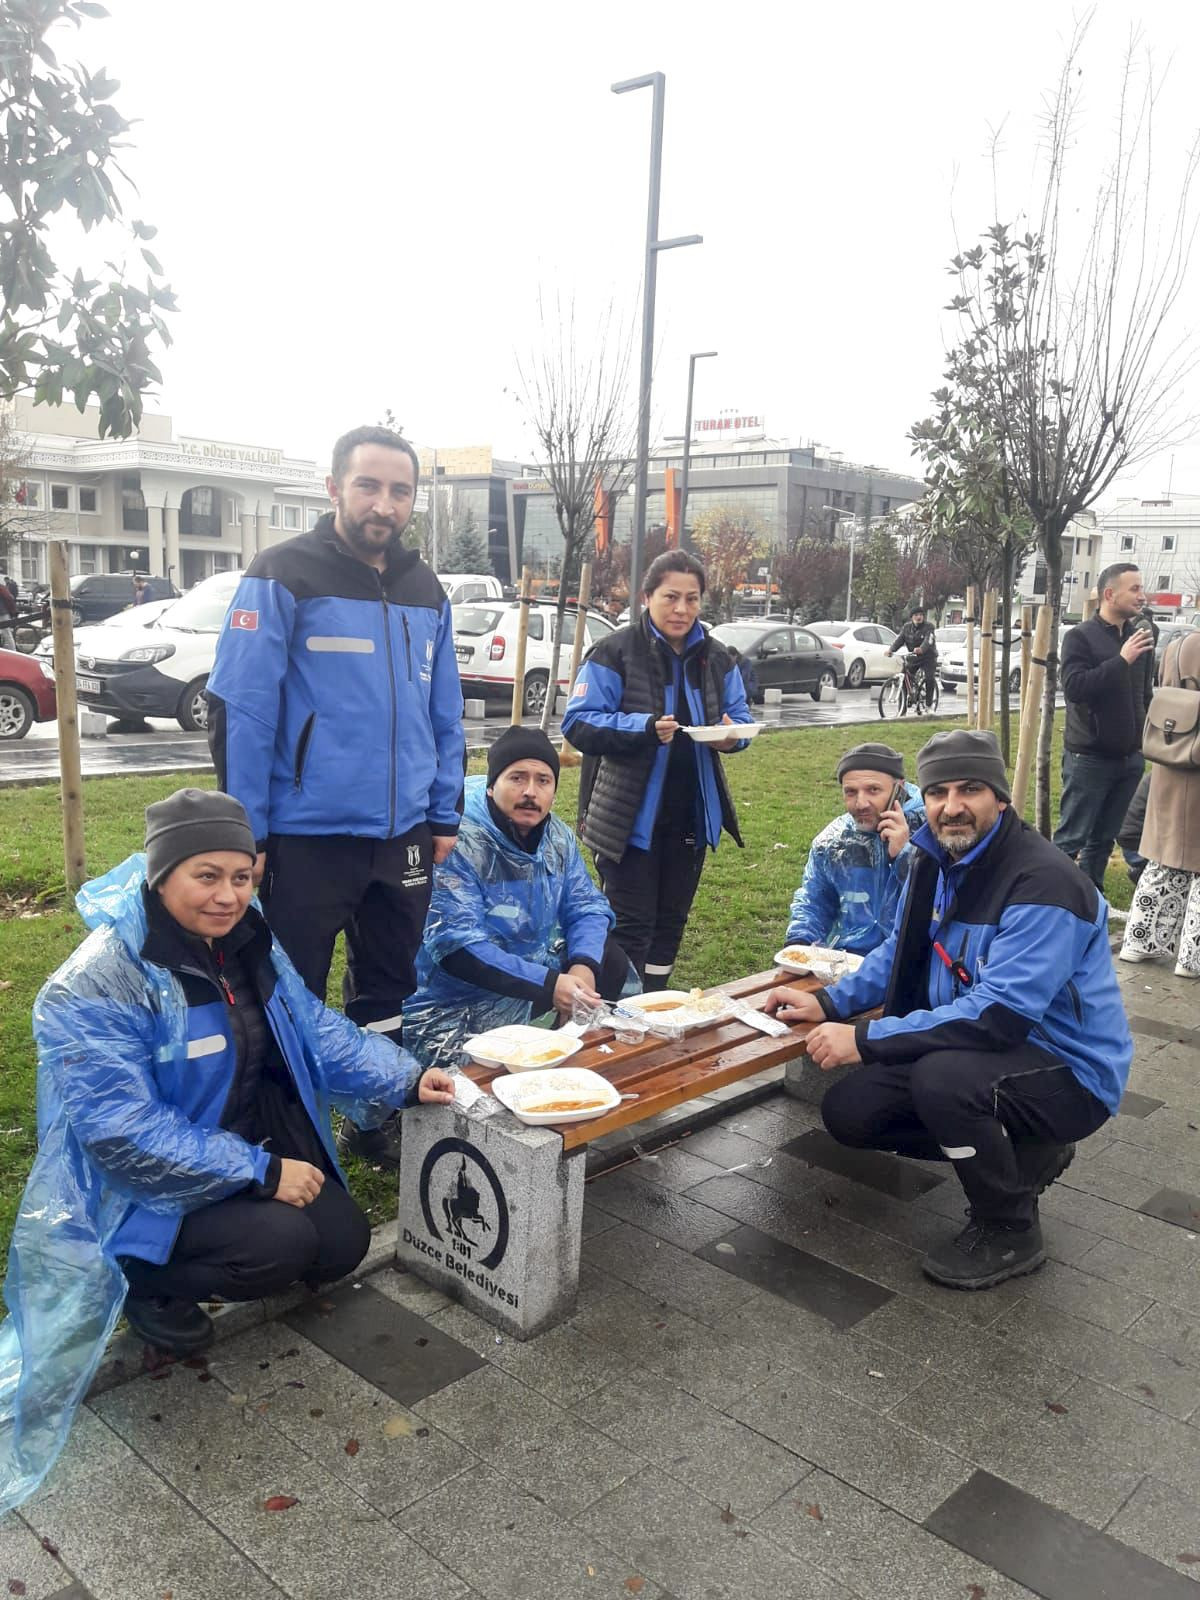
1067,347
584,419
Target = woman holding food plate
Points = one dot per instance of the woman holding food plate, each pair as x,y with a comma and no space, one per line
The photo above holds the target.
649,712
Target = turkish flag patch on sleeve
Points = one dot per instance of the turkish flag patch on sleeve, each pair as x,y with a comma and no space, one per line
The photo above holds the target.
244,619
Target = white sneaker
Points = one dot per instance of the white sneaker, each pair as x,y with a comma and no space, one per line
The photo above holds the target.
1184,972
1134,955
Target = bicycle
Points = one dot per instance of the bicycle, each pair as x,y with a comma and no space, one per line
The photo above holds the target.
907,689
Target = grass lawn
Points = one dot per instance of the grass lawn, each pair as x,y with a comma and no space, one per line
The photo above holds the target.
785,791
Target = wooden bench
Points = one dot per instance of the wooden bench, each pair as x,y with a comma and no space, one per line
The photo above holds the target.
492,1210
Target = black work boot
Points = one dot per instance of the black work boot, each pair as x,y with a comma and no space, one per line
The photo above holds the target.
985,1254
1040,1163
380,1146
180,1327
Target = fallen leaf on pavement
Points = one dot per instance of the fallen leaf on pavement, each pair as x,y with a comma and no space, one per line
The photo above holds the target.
15,1586
294,1383
1144,1388
1188,1559
815,1513
397,1428
635,1585
1057,1407
727,1515
352,1447
280,1502
316,1411
976,1592
49,1546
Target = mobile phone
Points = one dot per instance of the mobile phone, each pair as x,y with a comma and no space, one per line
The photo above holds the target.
896,795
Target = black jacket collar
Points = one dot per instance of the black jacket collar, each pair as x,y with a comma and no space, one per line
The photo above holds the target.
529,843
399,559
169,945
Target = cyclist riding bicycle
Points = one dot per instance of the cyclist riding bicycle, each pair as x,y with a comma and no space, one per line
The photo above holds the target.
918,637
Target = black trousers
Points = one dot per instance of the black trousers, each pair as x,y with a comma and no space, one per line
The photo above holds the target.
377,890
614,969
987,1112
651,892
244,1249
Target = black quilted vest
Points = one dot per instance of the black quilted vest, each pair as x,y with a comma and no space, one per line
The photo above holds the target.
611,787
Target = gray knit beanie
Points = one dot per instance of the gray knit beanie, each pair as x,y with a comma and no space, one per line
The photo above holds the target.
190,822
872,758
960,754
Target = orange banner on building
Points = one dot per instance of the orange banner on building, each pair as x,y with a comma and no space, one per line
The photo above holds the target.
602,508
673,505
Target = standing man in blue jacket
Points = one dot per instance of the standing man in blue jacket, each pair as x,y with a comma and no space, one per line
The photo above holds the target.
1003,1038
336,719
857,864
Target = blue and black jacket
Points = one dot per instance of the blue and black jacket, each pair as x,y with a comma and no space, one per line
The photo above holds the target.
1026,960
632,678
335,705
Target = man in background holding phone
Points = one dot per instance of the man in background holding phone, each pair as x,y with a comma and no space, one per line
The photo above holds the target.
1108,679
857,864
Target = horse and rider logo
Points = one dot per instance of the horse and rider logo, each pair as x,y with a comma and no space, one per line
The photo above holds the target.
470,1203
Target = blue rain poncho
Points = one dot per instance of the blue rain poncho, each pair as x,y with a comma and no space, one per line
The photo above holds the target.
127,1130
517,913
848,896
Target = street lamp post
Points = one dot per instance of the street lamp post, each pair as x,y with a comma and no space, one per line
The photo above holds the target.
656,81
839,512
700,355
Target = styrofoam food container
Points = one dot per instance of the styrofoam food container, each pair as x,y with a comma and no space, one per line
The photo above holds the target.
517,1091
512,1045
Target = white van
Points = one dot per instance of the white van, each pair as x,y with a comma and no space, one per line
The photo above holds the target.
159,670
463,587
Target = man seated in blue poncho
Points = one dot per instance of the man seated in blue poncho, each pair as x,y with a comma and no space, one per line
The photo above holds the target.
185,1076
516,928
857,864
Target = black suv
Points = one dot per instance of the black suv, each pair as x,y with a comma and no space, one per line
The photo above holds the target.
97,595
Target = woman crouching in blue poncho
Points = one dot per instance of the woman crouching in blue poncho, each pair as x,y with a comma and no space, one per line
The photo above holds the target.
185,1077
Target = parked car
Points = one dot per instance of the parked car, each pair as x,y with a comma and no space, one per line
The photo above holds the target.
97,595
952,659
144,617
864,647
160,670
485,642
26,693
789,658
463,587
1167,633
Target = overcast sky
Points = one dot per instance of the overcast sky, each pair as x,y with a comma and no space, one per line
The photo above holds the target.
358,203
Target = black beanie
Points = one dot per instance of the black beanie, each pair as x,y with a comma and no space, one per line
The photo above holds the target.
960,754
190,822
872,758
520,744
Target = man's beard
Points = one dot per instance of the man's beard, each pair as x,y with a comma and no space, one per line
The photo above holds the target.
358,539
866,824
957,842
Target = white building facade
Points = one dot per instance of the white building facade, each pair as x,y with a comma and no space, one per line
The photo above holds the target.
1163,538
175,507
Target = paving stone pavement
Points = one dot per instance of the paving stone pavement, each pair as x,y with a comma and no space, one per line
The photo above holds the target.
758,1395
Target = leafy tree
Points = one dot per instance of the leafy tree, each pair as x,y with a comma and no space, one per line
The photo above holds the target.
876,588
61,331
727,545
812,579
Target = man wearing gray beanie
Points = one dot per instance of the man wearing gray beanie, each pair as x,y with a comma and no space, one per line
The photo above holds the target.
858,862
1003,1039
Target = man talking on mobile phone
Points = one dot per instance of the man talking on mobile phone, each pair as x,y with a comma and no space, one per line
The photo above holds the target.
857,864
1108,681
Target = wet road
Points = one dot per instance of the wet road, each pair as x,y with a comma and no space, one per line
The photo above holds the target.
160,746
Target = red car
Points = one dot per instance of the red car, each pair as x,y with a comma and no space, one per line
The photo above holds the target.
26,693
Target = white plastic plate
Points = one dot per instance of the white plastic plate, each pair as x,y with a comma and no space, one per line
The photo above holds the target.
683,1016
718,732
817,960
523,1093
517,1047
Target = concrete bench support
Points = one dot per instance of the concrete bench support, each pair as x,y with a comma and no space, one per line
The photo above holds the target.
492,1213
